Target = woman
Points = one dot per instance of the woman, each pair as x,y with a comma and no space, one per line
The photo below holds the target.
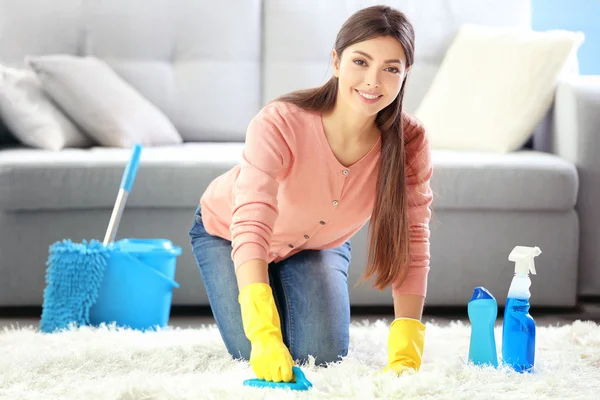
272,235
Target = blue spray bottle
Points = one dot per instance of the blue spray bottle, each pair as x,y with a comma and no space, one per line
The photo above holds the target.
483,310
518,329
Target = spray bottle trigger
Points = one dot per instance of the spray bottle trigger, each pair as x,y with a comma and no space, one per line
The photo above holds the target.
532,266
524,258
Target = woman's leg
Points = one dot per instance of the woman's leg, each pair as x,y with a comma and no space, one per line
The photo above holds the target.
213,256
310,290
313,299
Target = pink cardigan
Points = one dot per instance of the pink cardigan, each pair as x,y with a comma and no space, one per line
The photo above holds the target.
290,193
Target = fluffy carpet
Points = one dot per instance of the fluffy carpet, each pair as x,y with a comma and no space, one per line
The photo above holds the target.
109,363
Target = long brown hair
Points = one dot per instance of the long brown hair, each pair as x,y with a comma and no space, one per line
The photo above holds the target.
389,242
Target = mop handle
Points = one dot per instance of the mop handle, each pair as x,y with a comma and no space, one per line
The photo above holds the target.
124,190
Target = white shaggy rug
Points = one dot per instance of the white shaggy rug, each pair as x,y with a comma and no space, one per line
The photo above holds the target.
110,363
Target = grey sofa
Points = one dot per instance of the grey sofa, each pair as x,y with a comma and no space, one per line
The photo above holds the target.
210,66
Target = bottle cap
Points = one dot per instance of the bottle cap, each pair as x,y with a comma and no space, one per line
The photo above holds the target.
481,293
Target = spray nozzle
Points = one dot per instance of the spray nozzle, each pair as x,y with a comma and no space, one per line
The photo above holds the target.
523,257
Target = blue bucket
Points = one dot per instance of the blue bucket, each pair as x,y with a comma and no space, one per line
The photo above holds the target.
137,288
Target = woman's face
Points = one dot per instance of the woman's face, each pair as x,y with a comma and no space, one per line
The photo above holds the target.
370,74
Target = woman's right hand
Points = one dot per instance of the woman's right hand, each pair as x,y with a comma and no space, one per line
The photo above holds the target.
270,358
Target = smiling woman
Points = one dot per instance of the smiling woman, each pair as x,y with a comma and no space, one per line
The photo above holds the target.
386,75
272,235
372,57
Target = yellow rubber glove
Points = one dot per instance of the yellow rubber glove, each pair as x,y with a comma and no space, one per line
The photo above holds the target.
270,359
405,345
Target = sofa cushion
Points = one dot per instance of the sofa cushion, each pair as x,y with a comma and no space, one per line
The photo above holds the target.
32,117
522,180
168,176
494,86
109,109
176,176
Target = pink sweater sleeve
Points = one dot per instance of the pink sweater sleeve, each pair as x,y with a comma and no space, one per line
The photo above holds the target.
419,195
265,157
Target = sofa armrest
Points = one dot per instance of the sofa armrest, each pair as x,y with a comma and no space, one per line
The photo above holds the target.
575,136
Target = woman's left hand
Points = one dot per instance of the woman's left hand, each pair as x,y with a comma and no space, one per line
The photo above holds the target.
405,346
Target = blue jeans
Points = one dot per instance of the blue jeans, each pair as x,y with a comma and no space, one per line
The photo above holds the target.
310,290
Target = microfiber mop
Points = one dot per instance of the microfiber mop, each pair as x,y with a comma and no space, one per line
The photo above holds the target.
75,270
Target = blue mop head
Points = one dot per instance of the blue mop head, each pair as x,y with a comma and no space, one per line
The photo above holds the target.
73,277
301,383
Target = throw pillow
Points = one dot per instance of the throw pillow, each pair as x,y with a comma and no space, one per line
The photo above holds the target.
107,107
32,118
494,85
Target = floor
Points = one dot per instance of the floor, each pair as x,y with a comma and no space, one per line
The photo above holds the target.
196,317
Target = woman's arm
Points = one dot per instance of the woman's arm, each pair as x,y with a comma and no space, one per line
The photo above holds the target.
408,306
252,271
266,155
